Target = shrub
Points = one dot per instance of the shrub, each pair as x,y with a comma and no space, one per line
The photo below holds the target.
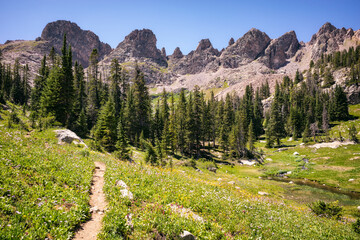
356,226
329,210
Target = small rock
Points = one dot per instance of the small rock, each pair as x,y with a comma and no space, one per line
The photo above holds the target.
358,208
212,169
231,183
302,144
285,177
260,177
291,182
94,209
128,219
187,236
262,141
290,139
263,193
121,183
296,153
269,159
351,180
125,193
289,172
219,179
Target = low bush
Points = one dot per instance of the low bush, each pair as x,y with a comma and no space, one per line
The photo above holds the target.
329,210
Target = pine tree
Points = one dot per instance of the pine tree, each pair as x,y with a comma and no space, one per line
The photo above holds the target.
181,122
67,84
81,127
50,102
275,128
251,137
172,126
26,84
130,117
17,91
105,129
93,100
39,86
339,105
122,144
141,103
115,76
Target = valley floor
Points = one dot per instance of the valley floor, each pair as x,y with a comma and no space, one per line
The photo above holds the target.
45,192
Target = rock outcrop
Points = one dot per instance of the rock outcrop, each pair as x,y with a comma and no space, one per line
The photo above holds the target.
280,49
328,39
139,45
68,136
196,61
245,49
82,42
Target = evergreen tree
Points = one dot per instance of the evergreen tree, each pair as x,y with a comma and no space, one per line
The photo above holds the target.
130,117
106,127
122,144
339,108
67,84
251,137
93,100
172,126
298,77
115,93
39,86
26,84
275,128
50,102
142,104
17,91
181,122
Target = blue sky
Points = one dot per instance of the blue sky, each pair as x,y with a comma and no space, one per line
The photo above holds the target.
180,23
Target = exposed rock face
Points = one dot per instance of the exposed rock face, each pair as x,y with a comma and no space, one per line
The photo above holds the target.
196,61
231,41
328,39
245,49
140,45
177,53
353,94
280,50
82,42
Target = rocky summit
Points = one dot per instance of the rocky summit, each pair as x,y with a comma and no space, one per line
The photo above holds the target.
253,58
82,42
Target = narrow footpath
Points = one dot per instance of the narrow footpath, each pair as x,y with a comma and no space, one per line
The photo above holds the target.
90,229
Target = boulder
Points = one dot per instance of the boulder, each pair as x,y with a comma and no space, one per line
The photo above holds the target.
263,193
68,136
125,193
187,236
121,183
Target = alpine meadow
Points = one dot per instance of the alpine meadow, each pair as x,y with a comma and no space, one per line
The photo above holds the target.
259,140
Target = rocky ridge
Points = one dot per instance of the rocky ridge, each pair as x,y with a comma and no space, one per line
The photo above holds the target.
253,58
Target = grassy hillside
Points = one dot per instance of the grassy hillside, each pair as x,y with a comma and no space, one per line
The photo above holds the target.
44,192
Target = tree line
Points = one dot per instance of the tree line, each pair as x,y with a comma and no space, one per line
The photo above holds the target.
118,111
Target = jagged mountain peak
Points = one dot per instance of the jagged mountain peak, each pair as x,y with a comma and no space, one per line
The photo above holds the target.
81,41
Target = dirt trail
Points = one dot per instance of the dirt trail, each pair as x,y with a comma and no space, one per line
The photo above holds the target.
90,229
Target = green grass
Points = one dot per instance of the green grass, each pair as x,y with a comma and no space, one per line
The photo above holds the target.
44,192
44,187
228,212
